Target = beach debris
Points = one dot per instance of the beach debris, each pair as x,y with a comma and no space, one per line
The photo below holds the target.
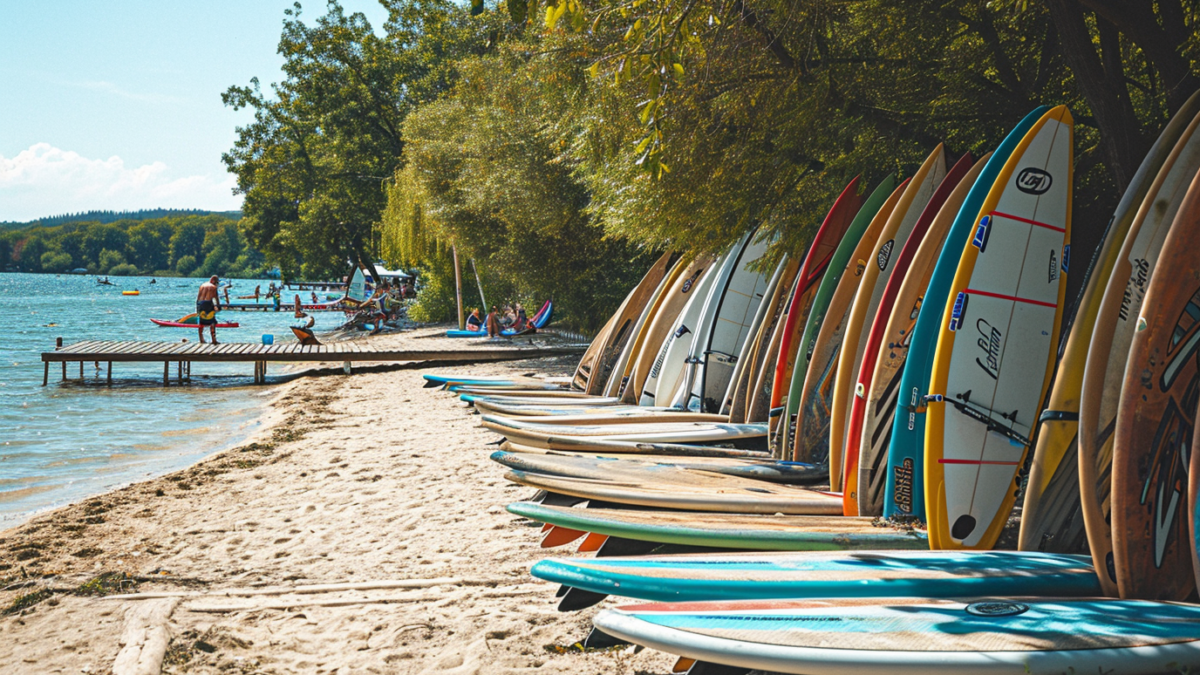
145,638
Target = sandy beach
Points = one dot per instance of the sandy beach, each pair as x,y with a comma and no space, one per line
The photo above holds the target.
362,530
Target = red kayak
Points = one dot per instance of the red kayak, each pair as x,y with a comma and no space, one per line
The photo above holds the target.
180,324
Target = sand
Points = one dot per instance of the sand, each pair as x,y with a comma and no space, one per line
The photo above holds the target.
366,479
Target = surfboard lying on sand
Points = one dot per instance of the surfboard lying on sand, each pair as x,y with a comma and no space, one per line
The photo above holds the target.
729,530
698,492
537,435
918,636
858,574
555,463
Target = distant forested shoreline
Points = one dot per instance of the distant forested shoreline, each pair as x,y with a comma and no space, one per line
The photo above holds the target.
174,245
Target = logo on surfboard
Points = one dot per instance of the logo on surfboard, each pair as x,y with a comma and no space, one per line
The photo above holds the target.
1034,181
885,253
990,341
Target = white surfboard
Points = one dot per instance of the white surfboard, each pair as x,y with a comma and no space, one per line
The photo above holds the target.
671,354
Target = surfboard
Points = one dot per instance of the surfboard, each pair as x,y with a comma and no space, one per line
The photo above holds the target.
624,365
588,362
663,376
607,416
767,532
883,361
917,636
1108,350
900,226
986,390
741,392
824,245
607,466
622,323
659,329
814,433
592,445
905,488
725,327
540,394
739,435
1194,510
699,492
176,324
797,575
1051,517
843,260
757,406
485,405
441,379
1152,546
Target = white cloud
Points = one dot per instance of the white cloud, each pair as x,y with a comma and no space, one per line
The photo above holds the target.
45,181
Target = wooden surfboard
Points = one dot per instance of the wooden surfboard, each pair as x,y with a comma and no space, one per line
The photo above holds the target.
599,465
1194,509
1108,351
616,385
758,399
824,246
729,530
883,361
813,435
900,225
1152,546
986,390
668,367
905,492
700,492
617,447
1051,518
742,398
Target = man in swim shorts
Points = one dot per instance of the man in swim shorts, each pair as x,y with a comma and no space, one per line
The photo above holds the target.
207,304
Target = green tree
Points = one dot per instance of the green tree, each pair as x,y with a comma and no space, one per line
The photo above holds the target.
100,237
56,261
187,242
186,266
108,260
150,245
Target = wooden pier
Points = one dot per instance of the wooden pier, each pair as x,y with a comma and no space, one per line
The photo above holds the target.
183,354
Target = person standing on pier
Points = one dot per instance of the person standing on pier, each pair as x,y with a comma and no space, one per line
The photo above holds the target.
207,304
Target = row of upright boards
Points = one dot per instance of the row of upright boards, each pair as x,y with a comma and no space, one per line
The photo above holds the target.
910,357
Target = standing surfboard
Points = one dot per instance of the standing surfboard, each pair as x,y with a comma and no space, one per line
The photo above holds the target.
742,393
986,390
1155,422
1108,351
587,362
1051,518
841,261
623,320
892,239
727,328
813,428
905,496
816,262
920,636
1194,508
758,398
620,376
883,362
690,326
672,352
660,327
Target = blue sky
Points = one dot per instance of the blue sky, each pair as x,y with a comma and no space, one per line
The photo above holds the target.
117,104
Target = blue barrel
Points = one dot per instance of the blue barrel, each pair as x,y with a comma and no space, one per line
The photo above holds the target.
268,339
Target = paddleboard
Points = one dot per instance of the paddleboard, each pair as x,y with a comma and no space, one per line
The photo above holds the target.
1052,519
883,362
1108,351
868,299
808,574
905,487
177,324
917,636
986,390
728,530
1152,546
699,492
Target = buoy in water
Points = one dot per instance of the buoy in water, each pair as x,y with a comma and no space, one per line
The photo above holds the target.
131,292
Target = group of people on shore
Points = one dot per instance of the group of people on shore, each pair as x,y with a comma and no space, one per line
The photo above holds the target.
509,317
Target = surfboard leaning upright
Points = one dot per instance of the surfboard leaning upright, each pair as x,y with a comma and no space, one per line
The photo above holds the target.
986,390
905,492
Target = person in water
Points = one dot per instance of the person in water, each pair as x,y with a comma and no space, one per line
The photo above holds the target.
257,293
227,294
473,321
207,304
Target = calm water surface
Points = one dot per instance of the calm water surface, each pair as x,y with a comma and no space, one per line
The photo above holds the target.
72,439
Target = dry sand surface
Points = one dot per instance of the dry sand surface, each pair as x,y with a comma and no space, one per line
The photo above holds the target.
367,479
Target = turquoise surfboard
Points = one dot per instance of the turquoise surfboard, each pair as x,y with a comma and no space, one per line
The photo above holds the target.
904,494
859,574
919,636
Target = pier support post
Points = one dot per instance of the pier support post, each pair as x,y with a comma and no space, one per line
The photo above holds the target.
179,372
81,370
346,367
166,373
110,373
46,373
58,346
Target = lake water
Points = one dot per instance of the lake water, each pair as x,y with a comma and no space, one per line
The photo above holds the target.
69,440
